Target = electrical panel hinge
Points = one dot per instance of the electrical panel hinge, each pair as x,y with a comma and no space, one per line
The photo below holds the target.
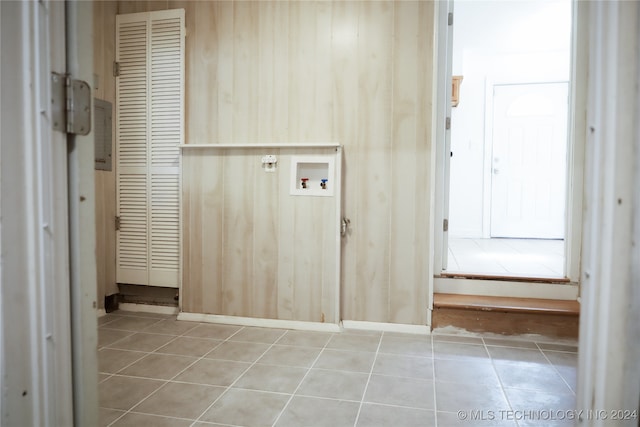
116,69
445,225
447,123
117,223
70,105
450,18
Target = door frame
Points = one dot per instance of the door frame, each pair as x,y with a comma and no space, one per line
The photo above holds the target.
576,134
48,277
440,162
82,228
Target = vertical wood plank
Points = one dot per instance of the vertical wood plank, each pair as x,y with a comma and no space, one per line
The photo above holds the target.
225,81
403,281
109,86
107,80
344,75
101,249
109,203
131,6
104,51
328,235
99,56
191,89
307,246
246,72
203,74
272,64
286,247
321,103
157,5
301,77
238,234
372,220
211,247
189,288
192,279
265,219
424,147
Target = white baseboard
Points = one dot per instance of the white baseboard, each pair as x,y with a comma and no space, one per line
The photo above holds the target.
147,308
304,326
261,323
101,312
386,327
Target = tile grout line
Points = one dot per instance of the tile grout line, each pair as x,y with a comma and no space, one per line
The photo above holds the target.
556,369
131,333
171,379
284,408
146,353
131,411
493,365
175,337
125,367
366,387
227,388
433,368
140,331
484,341
241,374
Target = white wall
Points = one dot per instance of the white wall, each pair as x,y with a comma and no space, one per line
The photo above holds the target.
496,42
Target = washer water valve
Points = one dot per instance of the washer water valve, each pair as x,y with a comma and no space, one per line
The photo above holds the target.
269,163
323,183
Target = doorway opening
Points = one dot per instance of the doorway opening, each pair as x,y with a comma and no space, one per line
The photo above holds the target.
508,168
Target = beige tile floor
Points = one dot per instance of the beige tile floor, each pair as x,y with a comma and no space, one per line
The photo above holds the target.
507,257
157,371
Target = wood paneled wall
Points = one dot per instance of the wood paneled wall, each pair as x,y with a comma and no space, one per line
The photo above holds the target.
104,23
355,72
251,249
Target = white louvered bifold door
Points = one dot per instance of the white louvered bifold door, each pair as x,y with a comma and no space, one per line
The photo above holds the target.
149,129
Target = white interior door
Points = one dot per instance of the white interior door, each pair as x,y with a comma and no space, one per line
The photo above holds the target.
529,160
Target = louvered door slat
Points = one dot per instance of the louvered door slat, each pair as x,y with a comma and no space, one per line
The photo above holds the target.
166,82
132,237
165,227
131,88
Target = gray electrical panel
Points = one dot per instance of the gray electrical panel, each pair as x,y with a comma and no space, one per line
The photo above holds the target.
102,134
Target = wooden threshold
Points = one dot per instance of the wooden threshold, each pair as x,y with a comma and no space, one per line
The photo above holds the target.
446,275
506,304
